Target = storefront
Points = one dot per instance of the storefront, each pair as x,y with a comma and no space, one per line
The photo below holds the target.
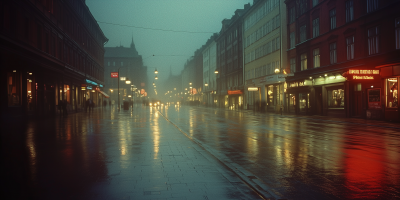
364,93
235,99
391,79
270,96
323,94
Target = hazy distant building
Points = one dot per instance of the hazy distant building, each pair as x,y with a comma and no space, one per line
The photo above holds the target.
172,87
130,65
192,77
209,67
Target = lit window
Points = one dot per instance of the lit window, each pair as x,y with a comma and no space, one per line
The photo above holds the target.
391,93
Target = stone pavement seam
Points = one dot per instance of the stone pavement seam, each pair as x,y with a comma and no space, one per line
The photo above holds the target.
260,188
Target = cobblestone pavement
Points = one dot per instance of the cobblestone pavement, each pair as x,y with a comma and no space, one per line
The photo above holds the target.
135,154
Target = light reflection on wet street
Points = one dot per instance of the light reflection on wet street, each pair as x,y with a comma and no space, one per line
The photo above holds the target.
109,155
302,157
199,153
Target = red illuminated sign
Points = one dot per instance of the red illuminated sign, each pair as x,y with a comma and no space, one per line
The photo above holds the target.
364,71
114,74
355,77
235,92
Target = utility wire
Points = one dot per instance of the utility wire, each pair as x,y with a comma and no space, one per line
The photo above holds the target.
154,29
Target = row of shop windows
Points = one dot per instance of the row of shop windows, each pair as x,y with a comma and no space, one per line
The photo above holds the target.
71,94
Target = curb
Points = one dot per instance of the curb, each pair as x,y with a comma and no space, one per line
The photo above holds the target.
255,183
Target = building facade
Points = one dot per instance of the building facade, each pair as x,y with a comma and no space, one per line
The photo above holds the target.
209,67
230,85
265,61
129,64
50,51
192,78
345,58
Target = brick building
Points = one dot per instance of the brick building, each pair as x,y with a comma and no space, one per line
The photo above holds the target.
230,61
345,58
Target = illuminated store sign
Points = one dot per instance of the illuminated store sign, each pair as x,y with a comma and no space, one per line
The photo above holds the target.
101,85
252,89
89,87
91,82
363,77
235,92
114,74
364,71
297,84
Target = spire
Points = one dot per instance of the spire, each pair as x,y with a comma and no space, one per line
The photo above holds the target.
132,44
133,48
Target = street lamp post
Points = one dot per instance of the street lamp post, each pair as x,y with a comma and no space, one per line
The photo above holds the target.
127,82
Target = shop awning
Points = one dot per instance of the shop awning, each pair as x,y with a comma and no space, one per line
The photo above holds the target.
104,94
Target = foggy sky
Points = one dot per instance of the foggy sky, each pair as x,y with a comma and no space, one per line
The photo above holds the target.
171,48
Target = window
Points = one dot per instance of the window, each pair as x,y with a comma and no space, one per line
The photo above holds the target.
397,32
292,15
316,58
349,11
314,3
350,47
332,53
372,5
303,61
14,88
292,65
302,6
122,63
336,98
391,93
373,41
315,27
303,35
332,16
292,39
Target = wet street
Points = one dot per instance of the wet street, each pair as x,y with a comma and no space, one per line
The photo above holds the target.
199,153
